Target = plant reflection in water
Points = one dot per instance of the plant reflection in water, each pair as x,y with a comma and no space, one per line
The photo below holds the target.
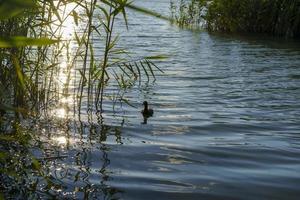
50,154
62,162
78,174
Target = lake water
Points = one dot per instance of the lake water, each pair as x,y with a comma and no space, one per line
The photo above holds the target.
226,122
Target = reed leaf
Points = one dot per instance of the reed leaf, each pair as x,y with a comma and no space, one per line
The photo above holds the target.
13,8
21,41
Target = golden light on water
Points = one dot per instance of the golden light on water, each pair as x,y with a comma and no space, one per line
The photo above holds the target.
65,74
67,100
61,140
62,79
60,113
68,25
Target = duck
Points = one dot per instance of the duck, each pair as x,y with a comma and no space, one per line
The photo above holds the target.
147,112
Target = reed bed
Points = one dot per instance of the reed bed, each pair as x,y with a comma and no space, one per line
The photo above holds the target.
272,17
33,42
47,53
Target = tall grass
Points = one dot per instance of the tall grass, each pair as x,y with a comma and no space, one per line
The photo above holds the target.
35,51
273,17
29,64
186,13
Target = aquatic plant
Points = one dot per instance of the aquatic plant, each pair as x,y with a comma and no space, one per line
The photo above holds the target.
273,17
40,58
30,64
187,13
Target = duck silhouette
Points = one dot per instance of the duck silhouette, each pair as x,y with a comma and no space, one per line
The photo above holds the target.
146,112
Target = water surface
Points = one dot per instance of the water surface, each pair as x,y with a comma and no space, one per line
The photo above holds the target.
226,122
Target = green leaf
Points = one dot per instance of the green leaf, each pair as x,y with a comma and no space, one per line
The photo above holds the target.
55,10
155,66
147,12
157,57
145,70
19,71
12,8
136,8
121,8
150,68
75,17
84,79
138,69
104,11
78,40
36,164
124,14
124,71
20,41
129,66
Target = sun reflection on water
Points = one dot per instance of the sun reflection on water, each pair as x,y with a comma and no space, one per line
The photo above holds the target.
61,140
64,78
67,100
60,113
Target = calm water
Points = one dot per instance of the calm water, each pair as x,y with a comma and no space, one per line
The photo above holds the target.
226,122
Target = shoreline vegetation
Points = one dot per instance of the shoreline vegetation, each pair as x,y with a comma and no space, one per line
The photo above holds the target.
271,17
48,58
34,40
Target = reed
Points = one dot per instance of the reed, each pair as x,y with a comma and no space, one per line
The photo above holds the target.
186,13
31,61
35,51
272,17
